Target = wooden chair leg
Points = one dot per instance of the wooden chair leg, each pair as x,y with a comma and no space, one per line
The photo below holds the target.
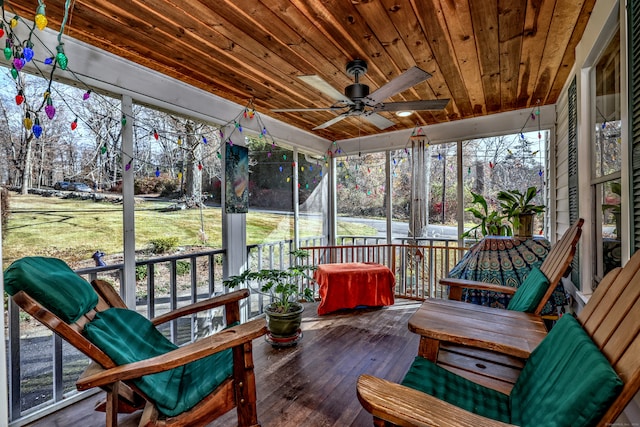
245,386
429,348
112,406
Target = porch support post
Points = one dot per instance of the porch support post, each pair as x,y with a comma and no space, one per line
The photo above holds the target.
333,203
460,195
128,287
296,201
4,380
388,193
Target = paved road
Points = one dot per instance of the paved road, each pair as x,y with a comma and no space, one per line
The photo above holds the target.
401,229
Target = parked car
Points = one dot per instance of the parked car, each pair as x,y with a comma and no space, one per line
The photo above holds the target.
80,186
61,185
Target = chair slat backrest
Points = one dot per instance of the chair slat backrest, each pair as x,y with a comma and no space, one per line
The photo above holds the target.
612,319
559,259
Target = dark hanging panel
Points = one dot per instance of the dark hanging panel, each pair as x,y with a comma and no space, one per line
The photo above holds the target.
633,14
573,171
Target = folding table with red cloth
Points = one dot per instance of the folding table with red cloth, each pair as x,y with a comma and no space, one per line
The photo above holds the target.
354,284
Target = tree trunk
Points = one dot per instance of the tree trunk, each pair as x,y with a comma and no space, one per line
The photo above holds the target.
26,177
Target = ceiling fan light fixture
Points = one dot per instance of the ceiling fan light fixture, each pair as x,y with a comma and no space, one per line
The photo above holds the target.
404,113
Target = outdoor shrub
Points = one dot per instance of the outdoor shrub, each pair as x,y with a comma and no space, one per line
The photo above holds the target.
183,267
141,272
163,244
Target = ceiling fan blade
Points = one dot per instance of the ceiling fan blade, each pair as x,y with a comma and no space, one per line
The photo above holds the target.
331,122
284,110
377,120
421,105
318,83
404,81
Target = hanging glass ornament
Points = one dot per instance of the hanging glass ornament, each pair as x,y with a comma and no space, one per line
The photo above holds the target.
37,129
41,17
61,58
7,49
27,52
49,109
27,122
74,124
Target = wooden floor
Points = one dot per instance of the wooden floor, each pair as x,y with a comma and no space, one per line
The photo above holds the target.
313,383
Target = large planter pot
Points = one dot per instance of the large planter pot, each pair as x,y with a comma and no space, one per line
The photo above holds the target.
284,328
525,228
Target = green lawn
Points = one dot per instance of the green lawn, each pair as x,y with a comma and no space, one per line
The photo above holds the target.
74,229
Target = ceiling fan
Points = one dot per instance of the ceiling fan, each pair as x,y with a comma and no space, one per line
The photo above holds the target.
357,101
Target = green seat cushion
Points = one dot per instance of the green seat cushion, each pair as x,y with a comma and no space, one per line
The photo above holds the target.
429,378
53,284
566,381
126,336
530,292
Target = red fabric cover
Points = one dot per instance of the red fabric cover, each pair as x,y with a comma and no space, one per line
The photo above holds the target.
349,285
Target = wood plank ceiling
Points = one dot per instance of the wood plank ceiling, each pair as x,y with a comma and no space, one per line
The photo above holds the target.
486,56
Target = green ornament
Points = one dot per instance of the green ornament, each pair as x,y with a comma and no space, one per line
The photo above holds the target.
103,149
124,120
14,73
7,50
61,58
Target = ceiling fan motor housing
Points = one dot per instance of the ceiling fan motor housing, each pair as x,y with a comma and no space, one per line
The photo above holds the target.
356,91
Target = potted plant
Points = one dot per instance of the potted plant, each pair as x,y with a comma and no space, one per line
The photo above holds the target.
287,289
520,209
491,222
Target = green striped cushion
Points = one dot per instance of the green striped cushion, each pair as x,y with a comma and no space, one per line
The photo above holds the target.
530,292
53,284
566,381
126,336
429,378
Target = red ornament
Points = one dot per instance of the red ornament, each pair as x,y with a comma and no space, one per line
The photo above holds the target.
19,98
74,124
491,165
155,134
199,166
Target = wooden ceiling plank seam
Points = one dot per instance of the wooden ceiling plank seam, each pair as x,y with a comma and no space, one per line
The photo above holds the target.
511,29
537,20
380,22
294,48
429,15
358,39
569,56
260,69
254,49
485,28
147,38
460,27
123,51
404,19
564,18
240,11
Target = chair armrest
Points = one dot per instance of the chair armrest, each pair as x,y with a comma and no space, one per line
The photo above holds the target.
228,338
230,298
455,291
404,406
